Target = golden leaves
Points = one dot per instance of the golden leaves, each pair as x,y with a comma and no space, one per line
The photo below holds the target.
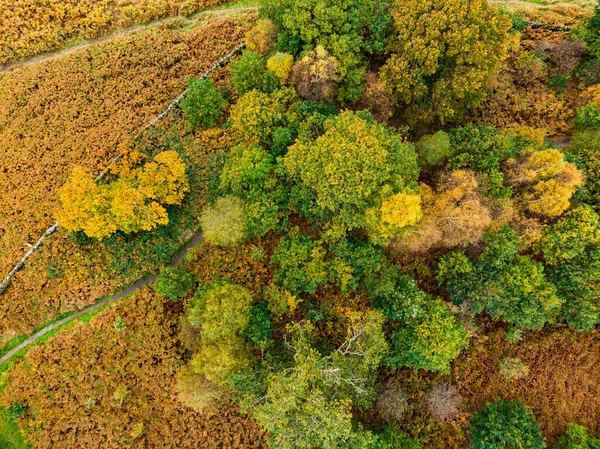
131,203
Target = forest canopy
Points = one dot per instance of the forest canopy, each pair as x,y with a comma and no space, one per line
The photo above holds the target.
388,251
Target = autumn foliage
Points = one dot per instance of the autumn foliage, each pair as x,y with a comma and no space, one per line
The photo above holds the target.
133,202
110,392
443,54
83,120
27,28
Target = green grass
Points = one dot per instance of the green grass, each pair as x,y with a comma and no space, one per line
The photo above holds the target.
10,435
237,4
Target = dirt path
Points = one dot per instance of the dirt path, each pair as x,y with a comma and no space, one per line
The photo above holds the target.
92,42
521,4
129,290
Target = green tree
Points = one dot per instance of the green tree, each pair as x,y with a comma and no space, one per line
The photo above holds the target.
223,223
260,327
222,312
429,341
202,104
247,167
585,146
300,262
339,26
577,437
508,286
392,438
506,425
318,389
173,283
265,124
571,247
588,117
256,115
591,32
434,149
482,149
354,165
444,51
249,72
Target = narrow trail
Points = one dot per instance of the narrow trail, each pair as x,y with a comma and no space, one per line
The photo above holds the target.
123,32
520,4
129,290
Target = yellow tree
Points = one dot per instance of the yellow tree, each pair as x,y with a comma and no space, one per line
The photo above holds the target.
134,202
85,206
453,214
444,52
544,181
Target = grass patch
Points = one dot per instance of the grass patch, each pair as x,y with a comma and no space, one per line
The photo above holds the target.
237,4
10,434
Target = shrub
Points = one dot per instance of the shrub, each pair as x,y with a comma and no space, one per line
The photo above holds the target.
506,425
119,324
444,401
249,72
196,392
315,75
173,283
15,410
530,69
392,401
121,393
223,223
202,105
513,369
262,37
